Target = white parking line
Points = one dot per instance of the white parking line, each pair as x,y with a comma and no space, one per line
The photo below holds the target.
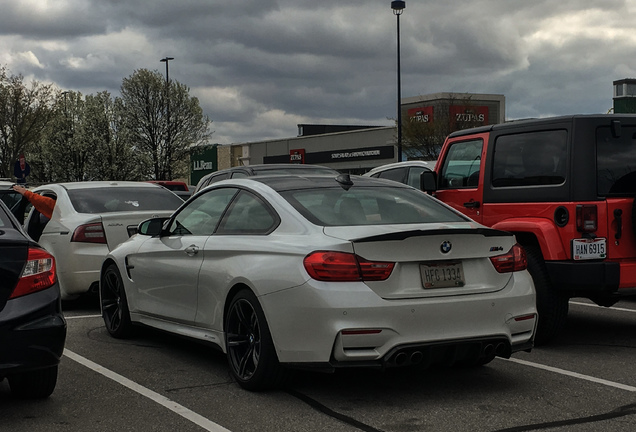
573,374
156,397
603,307
82,316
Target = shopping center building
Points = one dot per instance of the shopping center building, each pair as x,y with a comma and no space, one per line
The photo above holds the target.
354,149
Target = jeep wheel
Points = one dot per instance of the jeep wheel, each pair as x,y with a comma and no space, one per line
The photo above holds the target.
551,304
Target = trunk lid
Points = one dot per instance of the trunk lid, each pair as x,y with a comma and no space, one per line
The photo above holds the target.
434,260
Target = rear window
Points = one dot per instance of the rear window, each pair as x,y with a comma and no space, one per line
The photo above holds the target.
123,199
369,206
616,161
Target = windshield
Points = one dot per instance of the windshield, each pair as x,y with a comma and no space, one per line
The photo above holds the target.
123,199
369,206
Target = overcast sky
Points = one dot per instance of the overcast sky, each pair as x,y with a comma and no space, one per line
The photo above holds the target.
260,67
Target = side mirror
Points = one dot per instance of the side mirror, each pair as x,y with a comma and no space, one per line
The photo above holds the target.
151,227
428,182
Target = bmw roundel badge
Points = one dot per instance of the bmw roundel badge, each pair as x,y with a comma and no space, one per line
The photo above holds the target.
446,247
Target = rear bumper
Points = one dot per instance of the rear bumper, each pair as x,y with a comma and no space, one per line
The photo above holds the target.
32,332
350,325
601,277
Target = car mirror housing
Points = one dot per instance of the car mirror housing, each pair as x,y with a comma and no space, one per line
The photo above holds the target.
151,227
428,182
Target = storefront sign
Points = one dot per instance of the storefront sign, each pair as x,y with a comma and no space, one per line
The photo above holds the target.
297,156
421,114
370,153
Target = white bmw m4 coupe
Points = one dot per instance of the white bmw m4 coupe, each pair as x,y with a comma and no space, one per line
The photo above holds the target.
323,272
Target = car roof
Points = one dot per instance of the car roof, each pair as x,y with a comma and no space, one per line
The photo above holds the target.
532,121
412,163
293,182
102,184
266,167
6,184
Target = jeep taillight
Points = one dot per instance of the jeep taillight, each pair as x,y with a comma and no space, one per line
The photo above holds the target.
586,218
38,274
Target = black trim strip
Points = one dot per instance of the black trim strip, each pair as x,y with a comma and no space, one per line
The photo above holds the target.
486,232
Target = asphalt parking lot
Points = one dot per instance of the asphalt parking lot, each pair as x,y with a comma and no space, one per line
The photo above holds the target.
157,382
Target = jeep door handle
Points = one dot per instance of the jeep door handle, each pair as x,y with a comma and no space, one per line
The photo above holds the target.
191,250
471,204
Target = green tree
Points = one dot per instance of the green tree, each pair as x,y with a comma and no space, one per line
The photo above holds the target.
162,121
25,112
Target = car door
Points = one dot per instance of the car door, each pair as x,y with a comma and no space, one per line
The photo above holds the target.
460,177
166,268
238,248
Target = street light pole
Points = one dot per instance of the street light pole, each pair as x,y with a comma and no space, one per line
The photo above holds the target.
398,7
166,60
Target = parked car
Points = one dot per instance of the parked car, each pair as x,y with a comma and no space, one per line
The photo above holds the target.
8,195
407,172
180,188
323,272
32,327
89,220
263,169
565,187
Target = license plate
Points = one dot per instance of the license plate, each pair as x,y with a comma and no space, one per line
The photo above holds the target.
442,275
584,249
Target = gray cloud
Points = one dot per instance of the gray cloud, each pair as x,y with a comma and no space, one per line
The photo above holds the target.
259,67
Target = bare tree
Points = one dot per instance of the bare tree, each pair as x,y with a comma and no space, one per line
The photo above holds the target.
423,136
25,112
164,136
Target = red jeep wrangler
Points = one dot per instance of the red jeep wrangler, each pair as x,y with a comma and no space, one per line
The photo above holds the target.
565,187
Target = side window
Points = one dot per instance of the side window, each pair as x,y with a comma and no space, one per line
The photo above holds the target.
218,178
529,159
396,174
248,214
201,216
413,178
461,167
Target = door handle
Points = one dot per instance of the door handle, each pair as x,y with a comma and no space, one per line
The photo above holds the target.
471,204
191,250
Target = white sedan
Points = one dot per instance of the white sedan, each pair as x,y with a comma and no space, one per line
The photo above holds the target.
323,272
89,220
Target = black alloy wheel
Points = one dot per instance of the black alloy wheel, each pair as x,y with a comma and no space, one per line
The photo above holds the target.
114,304
250,349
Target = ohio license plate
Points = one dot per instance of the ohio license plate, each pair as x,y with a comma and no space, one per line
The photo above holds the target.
584,249
442,275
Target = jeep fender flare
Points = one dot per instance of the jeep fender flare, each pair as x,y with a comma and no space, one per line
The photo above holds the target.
545,232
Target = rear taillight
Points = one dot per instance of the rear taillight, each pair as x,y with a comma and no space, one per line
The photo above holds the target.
38,274
586,218
514,260
345,267
89,233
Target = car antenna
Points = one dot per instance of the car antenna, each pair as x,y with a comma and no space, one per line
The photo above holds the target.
345,181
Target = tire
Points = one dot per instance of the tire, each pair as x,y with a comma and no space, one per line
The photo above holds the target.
35,384
114,304
250,350
552,305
